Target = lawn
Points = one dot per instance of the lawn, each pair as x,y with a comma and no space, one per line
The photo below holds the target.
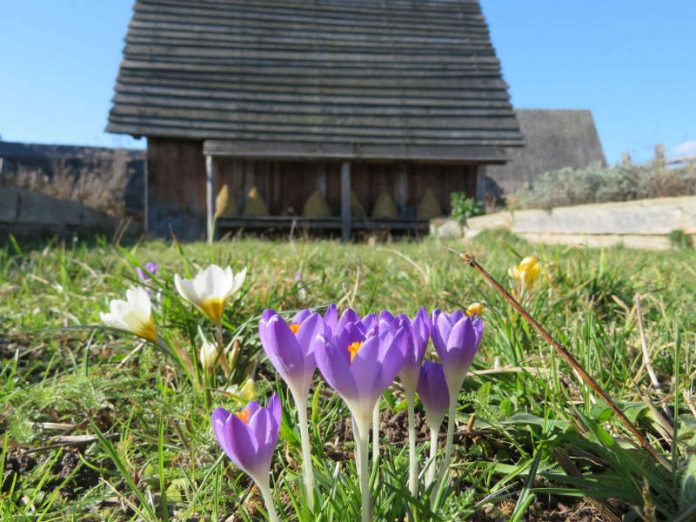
100,425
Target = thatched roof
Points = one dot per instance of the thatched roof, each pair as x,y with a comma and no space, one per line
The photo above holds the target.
553,139
401,76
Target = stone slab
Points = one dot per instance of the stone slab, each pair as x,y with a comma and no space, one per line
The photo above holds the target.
9,204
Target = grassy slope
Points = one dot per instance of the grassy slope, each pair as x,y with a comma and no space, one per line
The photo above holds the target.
158,457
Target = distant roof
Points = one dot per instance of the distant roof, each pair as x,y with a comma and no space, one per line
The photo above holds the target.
405,74
554,139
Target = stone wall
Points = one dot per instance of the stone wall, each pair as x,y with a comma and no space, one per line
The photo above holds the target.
29,215
639,224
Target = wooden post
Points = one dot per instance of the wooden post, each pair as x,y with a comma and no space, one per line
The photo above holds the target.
480,183
321,178
346,224
146,196
402,188
211,174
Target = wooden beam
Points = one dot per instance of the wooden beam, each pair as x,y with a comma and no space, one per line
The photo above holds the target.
211,174
345,202
276,150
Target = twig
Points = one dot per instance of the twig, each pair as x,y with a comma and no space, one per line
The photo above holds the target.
565,354
644,346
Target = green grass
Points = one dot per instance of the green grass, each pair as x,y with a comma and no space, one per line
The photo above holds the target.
540,441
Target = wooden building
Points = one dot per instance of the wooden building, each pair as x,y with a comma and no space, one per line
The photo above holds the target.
342,114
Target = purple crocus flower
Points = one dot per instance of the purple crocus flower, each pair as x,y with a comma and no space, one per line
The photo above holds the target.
433,393
456,337
415,347
290,348
249,437
150,269
360,364
360,359
432,389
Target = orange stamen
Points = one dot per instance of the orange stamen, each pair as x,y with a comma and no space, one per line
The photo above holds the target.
244,415
294,328
353,348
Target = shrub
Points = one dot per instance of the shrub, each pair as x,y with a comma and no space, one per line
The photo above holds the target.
680,240
624,182
464,207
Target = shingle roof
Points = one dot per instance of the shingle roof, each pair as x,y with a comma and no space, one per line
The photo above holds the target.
403,73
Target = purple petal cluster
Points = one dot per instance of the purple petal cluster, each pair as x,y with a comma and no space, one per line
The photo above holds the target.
249,437
360,357
150,269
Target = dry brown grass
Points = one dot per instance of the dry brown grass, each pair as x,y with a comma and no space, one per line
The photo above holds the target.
100,185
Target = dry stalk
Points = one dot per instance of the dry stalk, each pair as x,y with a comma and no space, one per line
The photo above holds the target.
568,357
644,346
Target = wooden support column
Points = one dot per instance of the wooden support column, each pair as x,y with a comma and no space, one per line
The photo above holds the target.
401,189
480,183
146,196
211,174
346,223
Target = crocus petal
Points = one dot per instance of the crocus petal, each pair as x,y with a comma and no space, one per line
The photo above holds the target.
392,359
331,318
348,316
276,410
281,347
219,419
334,364
365,369
243,446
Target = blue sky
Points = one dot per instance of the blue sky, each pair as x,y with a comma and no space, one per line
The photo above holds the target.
632,62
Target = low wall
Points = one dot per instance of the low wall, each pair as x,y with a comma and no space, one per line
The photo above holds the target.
638,224
30,215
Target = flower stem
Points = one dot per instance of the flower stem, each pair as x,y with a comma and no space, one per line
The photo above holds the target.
362,443
451,421
375,435
432,461
412,455
308,470
221,351
268,501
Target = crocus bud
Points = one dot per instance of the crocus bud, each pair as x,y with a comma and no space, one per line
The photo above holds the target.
525,274
474,309
456,338
209,290
208,354
433,393
132,315
415,345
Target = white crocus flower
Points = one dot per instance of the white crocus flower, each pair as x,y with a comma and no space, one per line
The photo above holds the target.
209,290
208,354
132,315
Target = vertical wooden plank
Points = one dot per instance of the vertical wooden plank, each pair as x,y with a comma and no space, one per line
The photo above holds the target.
346,224
210,197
